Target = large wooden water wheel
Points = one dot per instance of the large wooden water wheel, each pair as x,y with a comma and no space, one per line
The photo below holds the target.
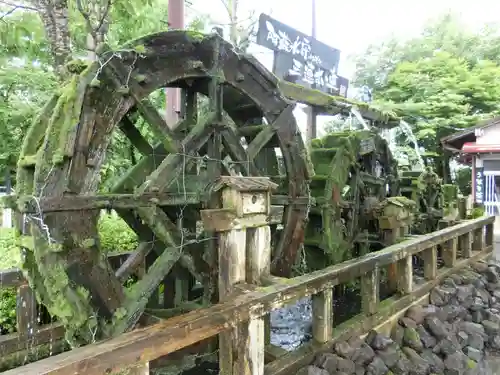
355,173
247,120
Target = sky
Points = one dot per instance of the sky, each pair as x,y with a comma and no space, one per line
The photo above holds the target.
354,24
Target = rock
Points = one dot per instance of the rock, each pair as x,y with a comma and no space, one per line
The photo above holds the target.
334,363
473,353
378,341
343,349
418,365
483,294
456,364
447,346
462,338
491,328
441,295
451,312
397,334
479,267
363,355
427,339
407,323
436,364
417,314
464,292
390,355
491,275
376,367
436,327
494,342
476,341
472,328
412,339
478,316
312,370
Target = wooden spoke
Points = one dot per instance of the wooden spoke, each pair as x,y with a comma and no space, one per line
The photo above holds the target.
268,133
135,137
174,164
237,152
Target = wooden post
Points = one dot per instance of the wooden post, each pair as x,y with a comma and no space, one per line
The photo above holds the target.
489,234
405,275
462,208
322,310
430,263
370,295
244,256
26,311
477,244
259,265
450,252
465,244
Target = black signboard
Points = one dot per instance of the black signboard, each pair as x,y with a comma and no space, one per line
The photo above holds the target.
281,38
479,184
307,74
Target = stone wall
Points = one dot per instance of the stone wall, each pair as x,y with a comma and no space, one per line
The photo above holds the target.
452,335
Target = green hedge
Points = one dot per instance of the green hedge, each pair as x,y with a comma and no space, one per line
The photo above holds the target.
115,235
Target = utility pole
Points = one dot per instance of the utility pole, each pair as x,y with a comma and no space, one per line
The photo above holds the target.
174,102
311,113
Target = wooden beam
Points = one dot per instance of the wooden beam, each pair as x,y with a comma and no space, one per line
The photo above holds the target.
106,201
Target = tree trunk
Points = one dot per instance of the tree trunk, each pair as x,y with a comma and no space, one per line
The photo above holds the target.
55,19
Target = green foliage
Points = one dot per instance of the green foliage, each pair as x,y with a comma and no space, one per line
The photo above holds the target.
463,179
9,252
115,234
440,82
7,310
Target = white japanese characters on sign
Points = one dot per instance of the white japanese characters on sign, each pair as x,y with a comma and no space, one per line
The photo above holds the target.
300,46
314,75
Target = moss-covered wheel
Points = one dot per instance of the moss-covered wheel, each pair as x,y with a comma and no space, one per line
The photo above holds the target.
355,172
247,120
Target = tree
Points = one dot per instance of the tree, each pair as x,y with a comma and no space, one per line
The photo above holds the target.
447,33
34,52
445,80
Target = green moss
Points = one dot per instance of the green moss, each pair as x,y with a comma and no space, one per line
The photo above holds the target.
195,36
471,364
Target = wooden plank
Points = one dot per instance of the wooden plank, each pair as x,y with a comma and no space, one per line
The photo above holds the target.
26,312
405,275
224,219
489,235
370,294
182,331
430,262
108,201
450,252
42,335
14,276
322,307
478,240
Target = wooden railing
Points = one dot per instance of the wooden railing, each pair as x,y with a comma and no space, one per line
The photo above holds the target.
239,319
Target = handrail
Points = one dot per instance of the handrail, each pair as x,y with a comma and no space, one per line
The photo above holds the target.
251,302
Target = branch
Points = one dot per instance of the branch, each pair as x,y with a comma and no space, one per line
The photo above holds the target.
18,6
93,30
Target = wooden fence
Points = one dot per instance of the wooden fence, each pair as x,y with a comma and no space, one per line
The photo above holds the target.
249,293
